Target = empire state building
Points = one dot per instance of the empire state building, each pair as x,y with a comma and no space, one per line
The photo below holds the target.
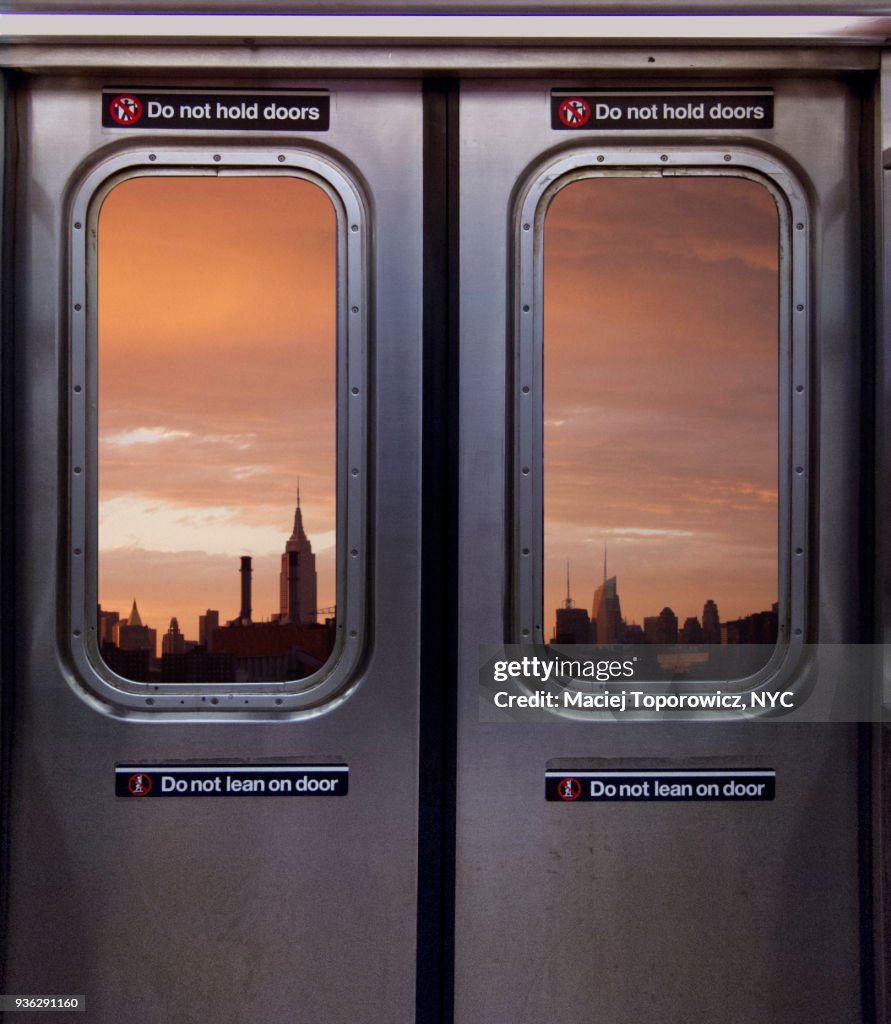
305,589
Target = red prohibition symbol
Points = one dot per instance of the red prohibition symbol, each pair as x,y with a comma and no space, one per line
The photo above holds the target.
569,789
139,785
574,112
125,109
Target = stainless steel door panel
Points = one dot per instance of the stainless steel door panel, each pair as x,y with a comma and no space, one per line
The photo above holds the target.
645,912
195,910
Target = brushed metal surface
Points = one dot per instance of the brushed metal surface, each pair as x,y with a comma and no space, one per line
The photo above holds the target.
315,164
275,61
183,911
803,7
657,915
438,26
305,911
529,347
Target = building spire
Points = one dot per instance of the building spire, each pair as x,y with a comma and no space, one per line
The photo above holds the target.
568,603
299,533
604,561
297,578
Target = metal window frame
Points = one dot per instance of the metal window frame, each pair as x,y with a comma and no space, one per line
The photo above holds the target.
526,619
92,677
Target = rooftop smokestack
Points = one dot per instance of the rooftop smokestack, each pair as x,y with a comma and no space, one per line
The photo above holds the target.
293,596
245,614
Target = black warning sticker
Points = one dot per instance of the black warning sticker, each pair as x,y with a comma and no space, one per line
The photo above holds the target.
629,110
164,109
178,780
617,786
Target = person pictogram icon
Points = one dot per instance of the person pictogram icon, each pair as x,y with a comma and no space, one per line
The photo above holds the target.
139,785
569,789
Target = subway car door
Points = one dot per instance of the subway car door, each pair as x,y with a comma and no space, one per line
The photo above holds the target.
214,744
661,438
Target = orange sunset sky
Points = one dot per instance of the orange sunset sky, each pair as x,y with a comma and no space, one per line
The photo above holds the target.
661,394
217,386
216,391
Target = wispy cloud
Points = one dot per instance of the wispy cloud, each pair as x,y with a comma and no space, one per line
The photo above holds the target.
134,522
640,531
145,435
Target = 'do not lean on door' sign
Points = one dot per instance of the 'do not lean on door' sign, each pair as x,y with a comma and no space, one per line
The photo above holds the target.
207,110
629,110
151,781
616,785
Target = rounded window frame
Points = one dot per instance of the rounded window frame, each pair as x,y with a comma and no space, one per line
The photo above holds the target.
526,621
324,688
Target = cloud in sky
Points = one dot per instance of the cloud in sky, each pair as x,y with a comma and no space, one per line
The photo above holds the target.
661,363
144,435
217,391
217,380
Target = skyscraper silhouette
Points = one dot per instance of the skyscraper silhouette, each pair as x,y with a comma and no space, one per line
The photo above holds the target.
573,625
306,574
132,635
606,610
173,641
711,623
